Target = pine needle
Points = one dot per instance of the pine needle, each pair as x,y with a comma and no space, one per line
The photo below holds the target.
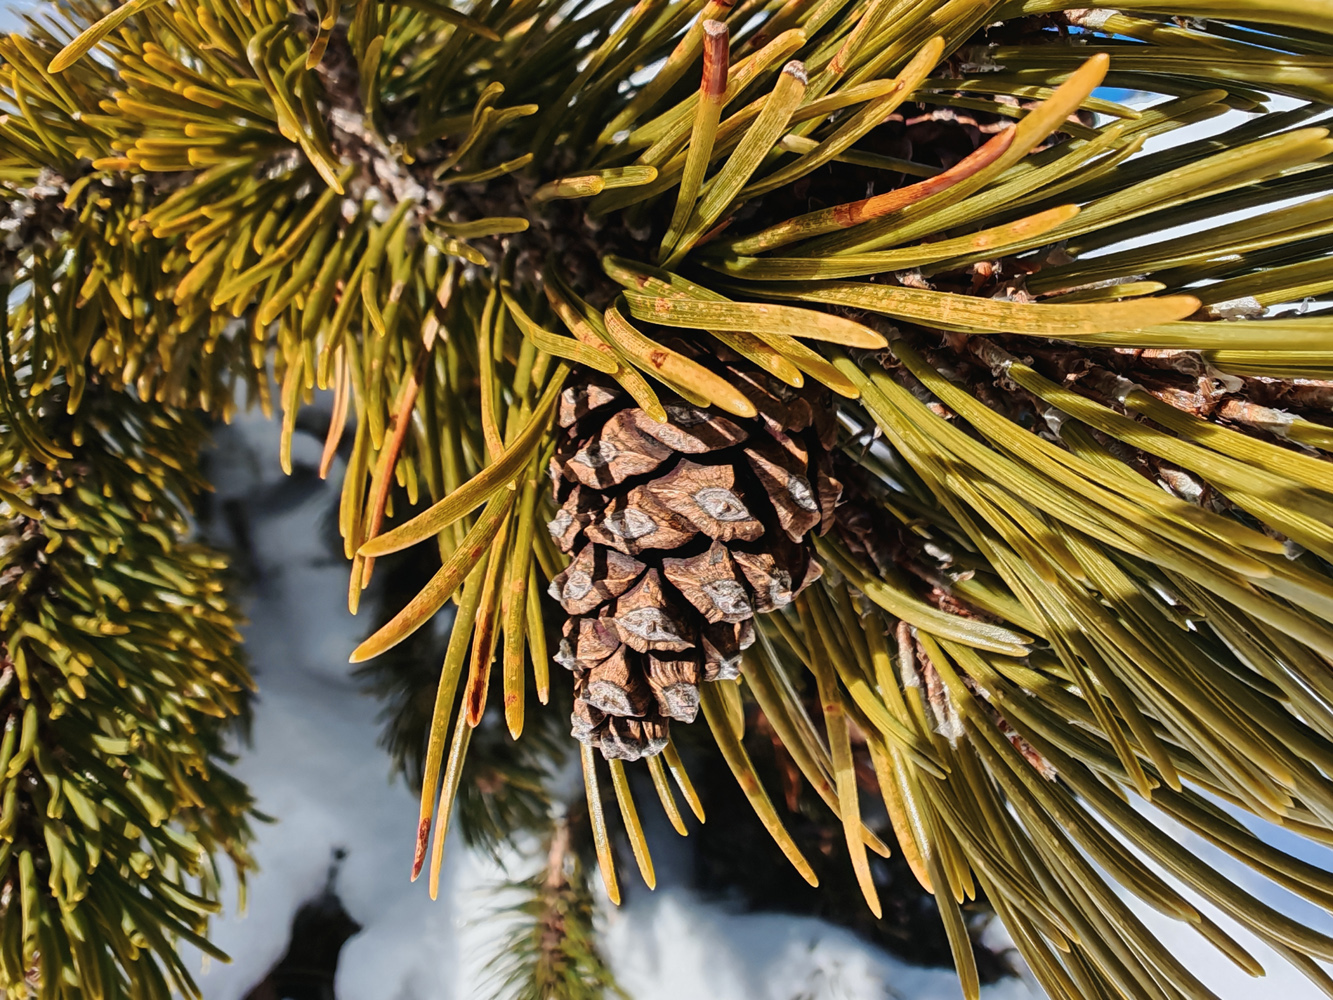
605,858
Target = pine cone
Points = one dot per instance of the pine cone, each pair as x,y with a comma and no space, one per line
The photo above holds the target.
680,533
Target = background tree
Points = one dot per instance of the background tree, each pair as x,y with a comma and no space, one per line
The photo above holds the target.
1033,535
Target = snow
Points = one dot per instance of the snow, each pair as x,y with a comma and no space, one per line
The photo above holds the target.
674,945
313,764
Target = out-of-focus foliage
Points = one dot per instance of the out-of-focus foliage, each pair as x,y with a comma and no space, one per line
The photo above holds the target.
551,947
119,679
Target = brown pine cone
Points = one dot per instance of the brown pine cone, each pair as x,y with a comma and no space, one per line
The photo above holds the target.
680,533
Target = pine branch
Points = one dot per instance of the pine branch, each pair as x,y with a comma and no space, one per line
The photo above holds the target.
551,951
119,682
872,413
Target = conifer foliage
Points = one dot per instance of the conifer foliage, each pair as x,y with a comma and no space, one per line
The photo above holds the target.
1079,560
118,679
